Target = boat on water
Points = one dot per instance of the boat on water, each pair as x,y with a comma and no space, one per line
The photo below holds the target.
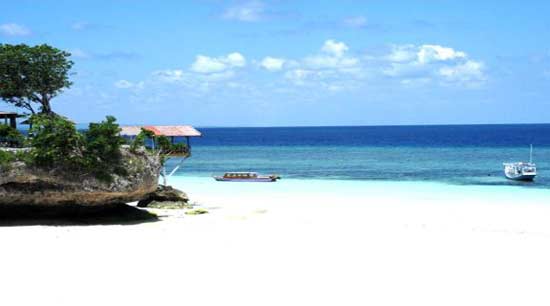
246,177
521,171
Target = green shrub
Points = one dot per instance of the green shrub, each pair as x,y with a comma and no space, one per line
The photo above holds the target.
140,139
102,148
5,159
163,144
11,136
55,142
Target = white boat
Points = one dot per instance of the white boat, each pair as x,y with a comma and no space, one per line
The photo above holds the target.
246,177
521,171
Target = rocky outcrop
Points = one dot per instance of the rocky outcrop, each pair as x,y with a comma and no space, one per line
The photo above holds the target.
165,197
21,184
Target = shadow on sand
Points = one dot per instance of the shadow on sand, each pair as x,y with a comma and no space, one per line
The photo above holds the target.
72,214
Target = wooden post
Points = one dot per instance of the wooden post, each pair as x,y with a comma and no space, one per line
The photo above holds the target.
13,123
164,174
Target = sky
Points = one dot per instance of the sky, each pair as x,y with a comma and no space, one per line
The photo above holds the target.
295,63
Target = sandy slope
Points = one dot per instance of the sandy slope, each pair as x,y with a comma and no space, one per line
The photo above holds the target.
297,243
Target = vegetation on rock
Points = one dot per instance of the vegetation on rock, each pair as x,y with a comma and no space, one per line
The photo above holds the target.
6,158
102,148
56,143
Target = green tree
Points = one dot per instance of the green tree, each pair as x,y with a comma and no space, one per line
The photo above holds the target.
33,75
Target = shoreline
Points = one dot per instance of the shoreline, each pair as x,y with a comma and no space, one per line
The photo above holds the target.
289,185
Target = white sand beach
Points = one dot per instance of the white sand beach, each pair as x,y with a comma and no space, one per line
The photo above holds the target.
297,242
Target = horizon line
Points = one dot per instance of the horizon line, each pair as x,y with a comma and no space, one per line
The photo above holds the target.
335,126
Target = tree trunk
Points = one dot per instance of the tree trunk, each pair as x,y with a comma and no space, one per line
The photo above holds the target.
46,108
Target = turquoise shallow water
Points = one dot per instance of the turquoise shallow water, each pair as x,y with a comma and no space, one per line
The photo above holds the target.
456,155
462,166
438,192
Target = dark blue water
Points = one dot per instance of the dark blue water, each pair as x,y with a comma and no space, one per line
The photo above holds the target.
410,136
468,154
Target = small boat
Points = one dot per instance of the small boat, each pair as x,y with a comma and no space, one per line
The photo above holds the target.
246,177
521,171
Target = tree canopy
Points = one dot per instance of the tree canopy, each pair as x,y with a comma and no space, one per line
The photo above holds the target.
32,75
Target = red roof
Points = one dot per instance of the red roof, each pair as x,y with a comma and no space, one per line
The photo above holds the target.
165,130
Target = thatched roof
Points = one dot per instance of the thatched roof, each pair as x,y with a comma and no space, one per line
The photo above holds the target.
10,114
164,130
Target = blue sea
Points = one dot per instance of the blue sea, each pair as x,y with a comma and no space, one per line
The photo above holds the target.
454,154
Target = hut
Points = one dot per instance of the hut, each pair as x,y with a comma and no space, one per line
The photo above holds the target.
170,131
11,117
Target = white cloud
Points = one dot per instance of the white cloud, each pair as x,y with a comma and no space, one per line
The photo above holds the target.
323,62
355,22
417,64
251,11
468,72
192,81
415,82
13,29
298,76
332,57
218,77
429,53
205,74
206,64
272,63
124,84
423,54
334,48
402,53
235,59
169,75
331,69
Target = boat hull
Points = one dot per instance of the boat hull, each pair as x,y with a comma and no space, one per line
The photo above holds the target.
520,171
523,177
246,180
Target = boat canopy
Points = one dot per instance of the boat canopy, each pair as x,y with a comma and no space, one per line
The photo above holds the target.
240,174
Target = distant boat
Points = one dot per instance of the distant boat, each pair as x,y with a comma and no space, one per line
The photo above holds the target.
521,171
246,177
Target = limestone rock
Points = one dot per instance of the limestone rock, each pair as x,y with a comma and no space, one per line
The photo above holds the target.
22,184
165,197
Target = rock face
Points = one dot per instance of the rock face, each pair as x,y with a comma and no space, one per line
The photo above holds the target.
21,184
165,197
